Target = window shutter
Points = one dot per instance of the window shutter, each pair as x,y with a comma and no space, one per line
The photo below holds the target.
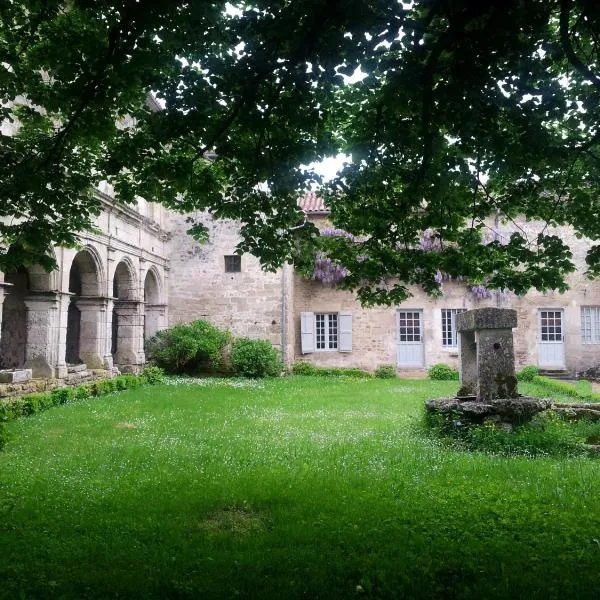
307,332
345,344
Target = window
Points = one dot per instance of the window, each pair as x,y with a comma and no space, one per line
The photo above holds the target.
233,263
449,337
590,324
409,326
326,331
551,325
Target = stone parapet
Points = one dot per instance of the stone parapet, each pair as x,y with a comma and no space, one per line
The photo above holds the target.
486,318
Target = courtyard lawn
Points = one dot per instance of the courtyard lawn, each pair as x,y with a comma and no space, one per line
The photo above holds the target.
299,487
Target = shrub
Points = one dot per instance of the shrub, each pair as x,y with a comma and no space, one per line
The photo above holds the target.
301,367
443,372
528,373
385,372
82,392
153,375
35,403
546,434
343,372
120,383
11,409
62,395
188,348
254,358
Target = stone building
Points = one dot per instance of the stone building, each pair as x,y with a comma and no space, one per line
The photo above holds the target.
95,309
143,273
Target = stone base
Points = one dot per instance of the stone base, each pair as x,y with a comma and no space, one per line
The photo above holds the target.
506,410
15,375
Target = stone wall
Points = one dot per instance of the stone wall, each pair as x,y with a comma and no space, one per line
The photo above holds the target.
375,329
249,302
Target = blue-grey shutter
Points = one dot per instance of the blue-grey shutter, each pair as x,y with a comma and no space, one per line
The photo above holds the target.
307,332
345,344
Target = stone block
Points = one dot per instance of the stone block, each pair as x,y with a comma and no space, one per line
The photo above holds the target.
15,376
486,318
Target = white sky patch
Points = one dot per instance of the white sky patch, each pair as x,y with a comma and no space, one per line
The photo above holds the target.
329,167
358,75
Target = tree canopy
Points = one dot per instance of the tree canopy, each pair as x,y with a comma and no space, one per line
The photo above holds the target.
467,113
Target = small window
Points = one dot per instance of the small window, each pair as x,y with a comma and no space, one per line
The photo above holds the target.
326,331
449,337
590,324
233,263
551,325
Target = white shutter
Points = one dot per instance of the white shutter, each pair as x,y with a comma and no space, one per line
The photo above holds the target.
307,332
345,344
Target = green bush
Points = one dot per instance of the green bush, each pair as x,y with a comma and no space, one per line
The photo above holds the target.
546,434
11,409
82,392
120,382
62,395
581,391
254,358
528,373
35,403
385,372
343,372
443,372
153,375
188,348
301,367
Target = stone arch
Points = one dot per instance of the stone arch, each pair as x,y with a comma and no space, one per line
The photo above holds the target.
13,336
126,328
125,281
86,275
154,305
83,326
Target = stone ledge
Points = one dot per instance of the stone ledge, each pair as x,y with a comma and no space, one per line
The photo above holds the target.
486,318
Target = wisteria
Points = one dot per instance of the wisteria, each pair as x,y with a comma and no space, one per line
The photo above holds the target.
430,241
326,270
480,292
335,232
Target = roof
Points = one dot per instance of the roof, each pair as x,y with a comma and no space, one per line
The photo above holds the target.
312,204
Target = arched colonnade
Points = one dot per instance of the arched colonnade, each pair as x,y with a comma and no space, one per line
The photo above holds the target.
96,309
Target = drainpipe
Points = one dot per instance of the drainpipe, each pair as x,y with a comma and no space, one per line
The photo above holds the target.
283,316
496,237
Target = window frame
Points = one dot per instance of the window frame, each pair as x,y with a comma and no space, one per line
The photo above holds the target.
234,260
326,333
453,334
593,314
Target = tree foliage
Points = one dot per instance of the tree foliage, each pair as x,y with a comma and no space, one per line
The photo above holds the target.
469,114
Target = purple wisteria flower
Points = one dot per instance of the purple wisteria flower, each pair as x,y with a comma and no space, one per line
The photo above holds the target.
326,270
480,292
335,232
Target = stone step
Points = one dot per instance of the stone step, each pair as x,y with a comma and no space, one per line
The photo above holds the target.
79,377
76,368
561,374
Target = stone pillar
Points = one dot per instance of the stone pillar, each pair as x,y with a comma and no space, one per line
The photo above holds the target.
41,354
486,336
154,319
130,336
92,336
4,290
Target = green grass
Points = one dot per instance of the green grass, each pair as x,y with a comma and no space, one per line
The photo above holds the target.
300,487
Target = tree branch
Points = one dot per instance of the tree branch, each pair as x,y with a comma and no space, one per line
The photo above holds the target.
565,40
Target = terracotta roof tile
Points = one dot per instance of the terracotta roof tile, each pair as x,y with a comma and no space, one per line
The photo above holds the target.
310,203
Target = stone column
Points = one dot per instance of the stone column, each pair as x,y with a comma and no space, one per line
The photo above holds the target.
154,319
4,290
41,354
92,336
486,336
130,339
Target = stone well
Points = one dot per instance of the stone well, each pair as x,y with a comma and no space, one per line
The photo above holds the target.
488,391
